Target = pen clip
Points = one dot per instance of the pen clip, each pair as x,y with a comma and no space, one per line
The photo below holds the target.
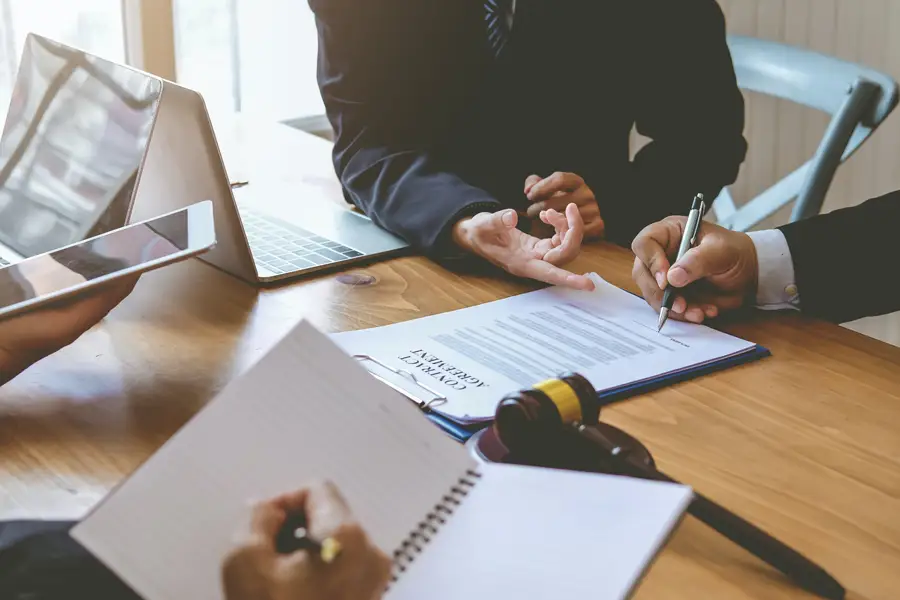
701,210
437,400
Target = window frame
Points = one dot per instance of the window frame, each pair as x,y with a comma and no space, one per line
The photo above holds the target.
149,33
150,45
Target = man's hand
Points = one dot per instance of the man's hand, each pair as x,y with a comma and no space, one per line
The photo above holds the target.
494,236
28,338
557,192
722,269
256,571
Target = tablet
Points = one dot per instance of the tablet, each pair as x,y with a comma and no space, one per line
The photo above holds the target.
40,280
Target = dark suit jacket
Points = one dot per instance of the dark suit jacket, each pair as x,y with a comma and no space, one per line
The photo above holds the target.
843,260
40,561
430,128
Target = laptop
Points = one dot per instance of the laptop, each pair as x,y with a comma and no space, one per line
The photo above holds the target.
139,147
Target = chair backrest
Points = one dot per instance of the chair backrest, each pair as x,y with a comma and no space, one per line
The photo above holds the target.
858,98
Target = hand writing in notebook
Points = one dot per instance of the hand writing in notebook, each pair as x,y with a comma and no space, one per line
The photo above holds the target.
255,570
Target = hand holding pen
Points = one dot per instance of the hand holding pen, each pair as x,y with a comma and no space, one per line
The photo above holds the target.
305,545
688,239
716,273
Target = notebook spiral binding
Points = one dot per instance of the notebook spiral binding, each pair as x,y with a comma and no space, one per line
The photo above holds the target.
414,545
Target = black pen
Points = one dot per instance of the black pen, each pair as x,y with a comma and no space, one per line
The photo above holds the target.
688,239
294,537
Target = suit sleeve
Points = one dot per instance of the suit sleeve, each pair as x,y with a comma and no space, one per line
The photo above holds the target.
371,57
842,260
691,108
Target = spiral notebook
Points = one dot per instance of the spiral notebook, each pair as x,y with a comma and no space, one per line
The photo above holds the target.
456,528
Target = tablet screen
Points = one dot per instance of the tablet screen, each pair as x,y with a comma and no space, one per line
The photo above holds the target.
116,251
75,136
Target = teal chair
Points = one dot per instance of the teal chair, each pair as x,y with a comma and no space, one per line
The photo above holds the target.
859,100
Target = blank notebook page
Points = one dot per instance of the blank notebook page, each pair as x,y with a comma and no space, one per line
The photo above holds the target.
305,412
530,533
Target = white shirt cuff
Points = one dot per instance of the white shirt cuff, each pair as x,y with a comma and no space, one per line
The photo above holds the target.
777,287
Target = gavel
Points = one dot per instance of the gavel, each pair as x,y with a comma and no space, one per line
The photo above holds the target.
557,424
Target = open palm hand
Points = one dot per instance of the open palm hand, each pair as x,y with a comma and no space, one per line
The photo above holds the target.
494,236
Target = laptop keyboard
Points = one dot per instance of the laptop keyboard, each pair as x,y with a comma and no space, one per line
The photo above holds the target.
280,247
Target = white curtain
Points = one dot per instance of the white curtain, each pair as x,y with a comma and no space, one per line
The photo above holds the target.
9,56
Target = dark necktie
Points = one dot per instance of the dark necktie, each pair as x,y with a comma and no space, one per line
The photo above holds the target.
497,18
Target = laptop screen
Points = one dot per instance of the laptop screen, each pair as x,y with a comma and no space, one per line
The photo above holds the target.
75,136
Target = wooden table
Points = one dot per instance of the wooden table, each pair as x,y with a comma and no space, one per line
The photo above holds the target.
804,443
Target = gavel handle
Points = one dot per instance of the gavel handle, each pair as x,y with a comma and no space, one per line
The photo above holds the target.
803,571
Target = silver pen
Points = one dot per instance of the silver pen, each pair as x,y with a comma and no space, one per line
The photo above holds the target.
688,239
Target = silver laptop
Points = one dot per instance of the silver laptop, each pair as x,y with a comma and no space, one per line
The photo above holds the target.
138,146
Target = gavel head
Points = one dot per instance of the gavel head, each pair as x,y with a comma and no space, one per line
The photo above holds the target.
530,417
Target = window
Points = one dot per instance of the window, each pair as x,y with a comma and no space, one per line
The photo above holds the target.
95,25
253,56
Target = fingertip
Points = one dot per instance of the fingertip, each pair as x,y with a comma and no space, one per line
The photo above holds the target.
265,519
711,311
509,218
580,282
661,280
694,315
573,217
679,305
293,501
678,277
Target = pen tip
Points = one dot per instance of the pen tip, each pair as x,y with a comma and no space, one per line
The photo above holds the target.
663,315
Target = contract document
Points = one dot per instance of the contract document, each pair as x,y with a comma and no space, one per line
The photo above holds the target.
462,363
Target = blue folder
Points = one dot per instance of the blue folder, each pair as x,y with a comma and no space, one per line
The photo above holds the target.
462,433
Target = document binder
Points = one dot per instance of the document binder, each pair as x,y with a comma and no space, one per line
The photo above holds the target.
457,365
427,399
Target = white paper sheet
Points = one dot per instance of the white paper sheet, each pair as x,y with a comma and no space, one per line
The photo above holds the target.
475,356
527,533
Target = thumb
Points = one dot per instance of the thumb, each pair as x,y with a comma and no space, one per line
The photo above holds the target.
498,222
708,258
